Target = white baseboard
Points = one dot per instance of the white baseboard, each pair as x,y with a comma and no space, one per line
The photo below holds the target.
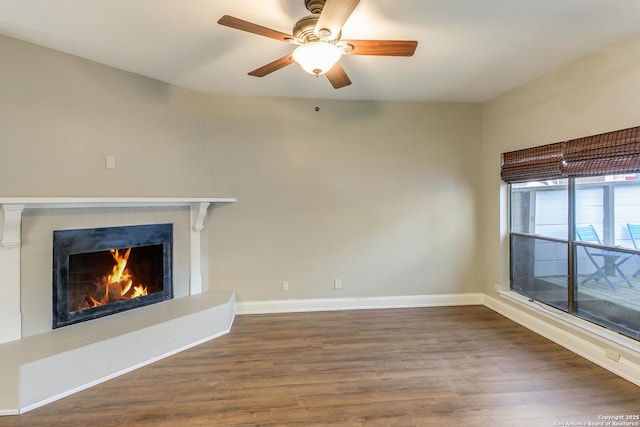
330,304
584,340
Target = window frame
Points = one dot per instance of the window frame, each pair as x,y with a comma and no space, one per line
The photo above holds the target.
573,246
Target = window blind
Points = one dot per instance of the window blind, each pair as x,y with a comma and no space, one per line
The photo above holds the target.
604,154
532,164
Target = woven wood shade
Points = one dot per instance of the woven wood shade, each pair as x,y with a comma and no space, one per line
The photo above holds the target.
532,164
604,154
607,153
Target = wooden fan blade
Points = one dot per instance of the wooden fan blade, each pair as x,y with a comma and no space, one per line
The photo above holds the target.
239,24
337,76
333,16
272,66
381,47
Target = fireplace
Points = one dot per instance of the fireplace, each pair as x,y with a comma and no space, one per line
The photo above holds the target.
101,271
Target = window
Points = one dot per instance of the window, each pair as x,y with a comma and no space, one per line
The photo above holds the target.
574,244
539,241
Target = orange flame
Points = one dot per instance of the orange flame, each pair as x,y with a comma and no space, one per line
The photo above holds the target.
118,283
121,264
139,291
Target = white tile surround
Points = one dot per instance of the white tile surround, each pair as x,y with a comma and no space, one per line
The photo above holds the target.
38,364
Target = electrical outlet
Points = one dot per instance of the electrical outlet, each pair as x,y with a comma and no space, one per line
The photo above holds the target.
285,285
613,355
337,284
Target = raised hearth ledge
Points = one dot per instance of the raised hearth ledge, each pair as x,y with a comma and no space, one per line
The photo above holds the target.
42,368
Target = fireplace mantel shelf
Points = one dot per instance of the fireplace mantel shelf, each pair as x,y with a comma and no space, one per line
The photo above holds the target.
114,202
12,208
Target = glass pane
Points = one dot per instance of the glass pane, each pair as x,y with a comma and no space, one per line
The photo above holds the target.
540,208
539,270
608,289
609,203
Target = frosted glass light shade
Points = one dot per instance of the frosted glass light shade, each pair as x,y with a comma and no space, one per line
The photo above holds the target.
317,57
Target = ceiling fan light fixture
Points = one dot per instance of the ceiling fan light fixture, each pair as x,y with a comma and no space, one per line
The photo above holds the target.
317,57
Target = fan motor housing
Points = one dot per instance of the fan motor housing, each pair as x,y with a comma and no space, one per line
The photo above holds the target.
305,27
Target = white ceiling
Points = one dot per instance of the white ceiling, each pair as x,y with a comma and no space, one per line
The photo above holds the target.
468,51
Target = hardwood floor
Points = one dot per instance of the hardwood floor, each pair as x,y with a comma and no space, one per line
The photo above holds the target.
444,366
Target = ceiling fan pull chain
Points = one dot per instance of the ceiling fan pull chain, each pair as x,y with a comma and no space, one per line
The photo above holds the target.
317,91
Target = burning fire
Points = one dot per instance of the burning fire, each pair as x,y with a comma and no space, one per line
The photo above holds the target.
118,284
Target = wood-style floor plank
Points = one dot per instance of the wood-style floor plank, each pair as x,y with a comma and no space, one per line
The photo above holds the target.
458,366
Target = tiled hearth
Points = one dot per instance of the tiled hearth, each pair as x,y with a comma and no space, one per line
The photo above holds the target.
39,364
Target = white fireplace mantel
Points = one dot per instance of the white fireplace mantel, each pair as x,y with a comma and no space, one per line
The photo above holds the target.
92,202
12,209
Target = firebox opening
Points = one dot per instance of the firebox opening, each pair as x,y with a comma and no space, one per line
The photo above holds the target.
102,271
106,277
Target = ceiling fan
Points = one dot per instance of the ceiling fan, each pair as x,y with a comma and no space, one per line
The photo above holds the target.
319,40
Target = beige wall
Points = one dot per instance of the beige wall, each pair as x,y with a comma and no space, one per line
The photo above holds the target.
60,115
381,195
385,196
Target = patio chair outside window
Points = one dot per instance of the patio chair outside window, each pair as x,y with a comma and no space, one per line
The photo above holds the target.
634,232
602,259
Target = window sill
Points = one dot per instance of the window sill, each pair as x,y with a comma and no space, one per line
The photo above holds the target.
574,322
